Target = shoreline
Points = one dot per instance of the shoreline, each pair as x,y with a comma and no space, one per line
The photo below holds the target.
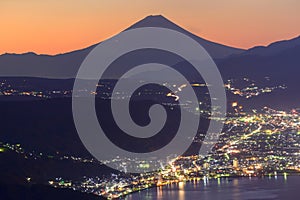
212,178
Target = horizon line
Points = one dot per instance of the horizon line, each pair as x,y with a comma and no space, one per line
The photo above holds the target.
152,15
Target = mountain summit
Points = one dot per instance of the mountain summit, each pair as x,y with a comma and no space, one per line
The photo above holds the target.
214,49
155,21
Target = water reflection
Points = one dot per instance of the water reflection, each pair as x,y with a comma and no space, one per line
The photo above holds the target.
235,182
181,191
195,184
227,189
205,181
285,176
159,192
235,189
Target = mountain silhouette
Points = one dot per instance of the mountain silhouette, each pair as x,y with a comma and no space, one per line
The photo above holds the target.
214,49
274,48
278,59
66,65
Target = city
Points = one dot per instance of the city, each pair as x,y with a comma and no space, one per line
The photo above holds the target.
256,144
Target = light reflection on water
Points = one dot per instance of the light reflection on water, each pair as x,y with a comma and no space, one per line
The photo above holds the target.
181,191
283,187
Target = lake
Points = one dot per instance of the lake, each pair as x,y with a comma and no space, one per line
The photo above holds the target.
281,187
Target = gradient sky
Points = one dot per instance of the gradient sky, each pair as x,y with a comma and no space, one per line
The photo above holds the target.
57,26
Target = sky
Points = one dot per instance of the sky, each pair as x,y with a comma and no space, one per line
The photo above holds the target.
58,26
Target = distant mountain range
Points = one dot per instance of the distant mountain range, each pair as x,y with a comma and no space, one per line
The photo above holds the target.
274,48
66,65
279,61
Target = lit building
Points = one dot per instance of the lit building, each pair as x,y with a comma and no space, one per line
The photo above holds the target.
235,163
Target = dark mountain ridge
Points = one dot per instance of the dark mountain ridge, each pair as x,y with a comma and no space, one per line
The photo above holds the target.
274,48
66,65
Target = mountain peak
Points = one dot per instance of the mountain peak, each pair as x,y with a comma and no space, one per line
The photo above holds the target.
214,49
155,21
155,18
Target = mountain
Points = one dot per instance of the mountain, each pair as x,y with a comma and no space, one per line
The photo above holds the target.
214,49
274,48
45,66
66,65
279,60
280,66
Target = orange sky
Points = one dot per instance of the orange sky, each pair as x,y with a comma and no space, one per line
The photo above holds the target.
57,26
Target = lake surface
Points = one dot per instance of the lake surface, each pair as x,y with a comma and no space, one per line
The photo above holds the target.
266,188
